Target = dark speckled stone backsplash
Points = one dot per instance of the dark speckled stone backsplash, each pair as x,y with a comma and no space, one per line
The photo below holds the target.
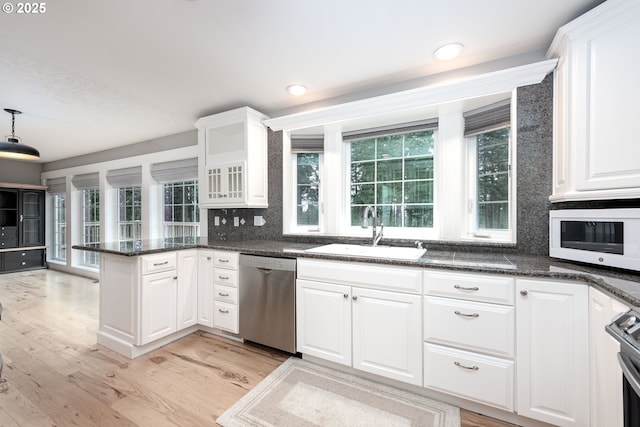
534,163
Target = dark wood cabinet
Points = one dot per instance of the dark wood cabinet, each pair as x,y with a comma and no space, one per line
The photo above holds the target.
22,234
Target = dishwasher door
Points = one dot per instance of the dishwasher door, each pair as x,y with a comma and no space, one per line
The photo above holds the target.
267,288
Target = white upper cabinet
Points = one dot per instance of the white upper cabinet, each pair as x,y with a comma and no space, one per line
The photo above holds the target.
595,93
233,159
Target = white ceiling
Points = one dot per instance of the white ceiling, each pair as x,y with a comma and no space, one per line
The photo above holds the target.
90,75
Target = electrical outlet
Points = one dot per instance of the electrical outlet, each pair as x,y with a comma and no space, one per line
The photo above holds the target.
258,221
236,221
216,221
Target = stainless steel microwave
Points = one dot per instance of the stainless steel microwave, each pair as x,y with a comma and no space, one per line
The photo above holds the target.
608,237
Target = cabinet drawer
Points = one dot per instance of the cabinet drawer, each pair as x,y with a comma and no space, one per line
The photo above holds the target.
225,316
16,260
158,262
485,379
226,259
225,293
477,287
475,326
8,242
225,277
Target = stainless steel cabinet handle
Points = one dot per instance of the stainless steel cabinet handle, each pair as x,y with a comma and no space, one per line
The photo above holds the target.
471,368
524,293
21,218
158,264
466,315
223,277
462,288
355,297
223,311
223,295
223,260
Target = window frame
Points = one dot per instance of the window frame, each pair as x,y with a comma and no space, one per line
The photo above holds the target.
89,258
135,224
194,225
474,231
306,229
59,235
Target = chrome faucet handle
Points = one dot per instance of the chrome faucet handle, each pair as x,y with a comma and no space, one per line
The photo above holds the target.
419,244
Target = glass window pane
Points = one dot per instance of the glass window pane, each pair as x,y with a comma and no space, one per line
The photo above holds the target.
418,143
390,216
388,193
364,149
389,170
177,195
389,146
418,216
363,194
493,188
363,172
418,168
493,215
418,192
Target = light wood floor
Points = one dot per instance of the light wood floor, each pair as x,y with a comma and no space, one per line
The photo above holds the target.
56,375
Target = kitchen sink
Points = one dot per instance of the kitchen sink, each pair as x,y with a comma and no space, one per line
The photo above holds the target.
389,252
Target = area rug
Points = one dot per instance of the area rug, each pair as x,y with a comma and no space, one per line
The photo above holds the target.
302,394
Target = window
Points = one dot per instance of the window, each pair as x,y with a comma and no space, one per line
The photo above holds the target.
180,207
492,179
489,190
307,189
59,227
129,214
395,174
91,225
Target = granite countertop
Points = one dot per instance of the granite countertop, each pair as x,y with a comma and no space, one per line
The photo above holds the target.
620,283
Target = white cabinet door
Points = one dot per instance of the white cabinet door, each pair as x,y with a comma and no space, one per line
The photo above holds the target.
387,334
552,352
205,287
323,315
158,293
595,98
606,375
187,302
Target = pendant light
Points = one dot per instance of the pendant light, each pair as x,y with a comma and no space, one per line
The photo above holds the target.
12,148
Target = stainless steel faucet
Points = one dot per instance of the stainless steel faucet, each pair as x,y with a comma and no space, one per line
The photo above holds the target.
376,237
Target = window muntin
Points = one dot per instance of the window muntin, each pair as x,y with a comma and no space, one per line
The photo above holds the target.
59,252
395,174
129,214
91,225
307,189
492,180
181,216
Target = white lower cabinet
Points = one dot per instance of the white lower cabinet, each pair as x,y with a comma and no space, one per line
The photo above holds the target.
187,307
386,334
323,320
606,375
469,334
158,310
225,291
373,330
553,351
205,287
485,379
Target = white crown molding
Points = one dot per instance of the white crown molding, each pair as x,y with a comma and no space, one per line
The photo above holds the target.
492,83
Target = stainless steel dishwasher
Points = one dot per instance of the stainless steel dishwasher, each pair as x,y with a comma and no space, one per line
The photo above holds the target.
268,301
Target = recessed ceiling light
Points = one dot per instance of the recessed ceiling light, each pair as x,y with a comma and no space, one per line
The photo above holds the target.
448,51
296,90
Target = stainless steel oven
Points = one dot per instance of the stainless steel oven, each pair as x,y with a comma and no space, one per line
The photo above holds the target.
625,328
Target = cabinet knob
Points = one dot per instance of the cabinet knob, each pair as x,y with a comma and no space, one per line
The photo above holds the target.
355,297
345,295
175,277
208,258
524,293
